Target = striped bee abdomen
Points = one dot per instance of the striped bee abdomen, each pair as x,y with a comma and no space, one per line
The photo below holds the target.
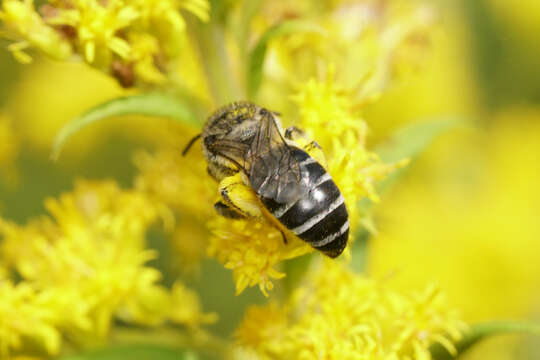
319,217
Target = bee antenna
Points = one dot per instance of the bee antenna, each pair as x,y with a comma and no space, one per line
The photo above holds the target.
190,143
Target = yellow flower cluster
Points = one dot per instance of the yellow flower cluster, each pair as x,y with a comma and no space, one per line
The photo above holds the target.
28,27
133,40
182,184
373,41
252,248
90,258
341,315
171,178
327,113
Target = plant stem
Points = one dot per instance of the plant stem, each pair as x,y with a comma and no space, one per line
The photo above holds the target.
200,341
210,43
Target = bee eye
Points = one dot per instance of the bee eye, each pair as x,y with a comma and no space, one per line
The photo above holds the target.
209,139
263,112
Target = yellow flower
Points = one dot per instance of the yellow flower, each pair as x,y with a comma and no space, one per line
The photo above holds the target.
97,27
252,249
27,313
186,308
22,22
179,181
341,315
133,41
327,113
373,42
90,257
182,184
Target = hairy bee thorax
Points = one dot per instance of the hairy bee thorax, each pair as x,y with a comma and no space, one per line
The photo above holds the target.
245,139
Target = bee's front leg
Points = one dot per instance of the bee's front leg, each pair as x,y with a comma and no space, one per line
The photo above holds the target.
293,133
237,199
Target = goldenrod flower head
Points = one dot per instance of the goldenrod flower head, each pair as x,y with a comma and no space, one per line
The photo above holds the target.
186,308
373,42
90,257
328,114
27,314
23,23
341,315
178,181
252,249
132,40
97,27
181,184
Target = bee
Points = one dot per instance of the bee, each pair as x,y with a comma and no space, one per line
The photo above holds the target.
256,162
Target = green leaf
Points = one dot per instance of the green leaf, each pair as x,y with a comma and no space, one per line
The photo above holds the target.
360,250
248,11
406,143
410,140
152,104
258,54
134,352
482,331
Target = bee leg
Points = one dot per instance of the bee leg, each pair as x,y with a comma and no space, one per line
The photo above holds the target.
237,195
293,133
284,237
311,147
226,211
315,151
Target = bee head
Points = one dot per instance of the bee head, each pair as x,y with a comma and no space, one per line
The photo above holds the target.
209,139
234,123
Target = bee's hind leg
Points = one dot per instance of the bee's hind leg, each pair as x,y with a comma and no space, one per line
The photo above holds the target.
238,197
227,211
283,236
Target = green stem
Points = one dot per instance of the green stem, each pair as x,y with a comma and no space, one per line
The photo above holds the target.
210,43
198,340
479,332
248,11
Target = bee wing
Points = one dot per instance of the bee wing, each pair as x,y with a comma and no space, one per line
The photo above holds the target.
275,169
232,150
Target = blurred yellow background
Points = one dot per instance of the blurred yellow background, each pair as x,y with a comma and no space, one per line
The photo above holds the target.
466,215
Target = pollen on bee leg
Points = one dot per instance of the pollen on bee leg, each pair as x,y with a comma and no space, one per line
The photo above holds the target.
226,211
238,195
